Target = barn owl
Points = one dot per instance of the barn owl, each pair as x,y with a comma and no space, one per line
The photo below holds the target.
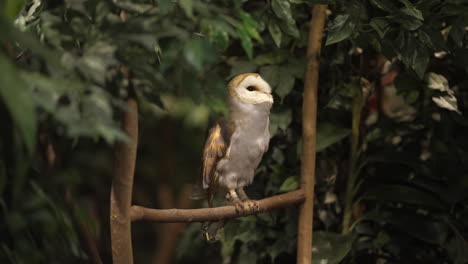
235,146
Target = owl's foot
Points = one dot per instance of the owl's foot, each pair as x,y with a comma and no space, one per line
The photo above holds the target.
242,208
208,234
242,195
251,204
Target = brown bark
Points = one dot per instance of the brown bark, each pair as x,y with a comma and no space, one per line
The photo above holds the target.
122,185
309,123
213,214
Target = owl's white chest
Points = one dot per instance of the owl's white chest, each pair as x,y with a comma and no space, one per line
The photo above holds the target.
248,144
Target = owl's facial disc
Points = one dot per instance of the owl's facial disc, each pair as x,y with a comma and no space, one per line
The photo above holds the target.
254,90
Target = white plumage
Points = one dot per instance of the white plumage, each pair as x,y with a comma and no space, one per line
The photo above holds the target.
235,147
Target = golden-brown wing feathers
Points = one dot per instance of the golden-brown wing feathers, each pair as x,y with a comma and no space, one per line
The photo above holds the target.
216,147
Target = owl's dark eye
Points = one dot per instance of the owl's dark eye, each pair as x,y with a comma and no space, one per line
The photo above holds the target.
250,88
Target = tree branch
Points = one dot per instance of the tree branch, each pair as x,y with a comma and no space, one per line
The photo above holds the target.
309,126
122,177
212,214
122,185
169,233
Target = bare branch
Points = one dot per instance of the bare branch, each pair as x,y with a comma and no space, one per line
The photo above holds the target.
309,128
122,185
169,234
212,214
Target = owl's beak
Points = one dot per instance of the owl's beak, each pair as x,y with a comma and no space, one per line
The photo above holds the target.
270,97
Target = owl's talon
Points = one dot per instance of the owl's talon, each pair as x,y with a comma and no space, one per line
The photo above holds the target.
246,208
240,208
253,206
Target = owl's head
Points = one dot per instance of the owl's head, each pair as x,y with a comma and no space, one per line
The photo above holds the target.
250,88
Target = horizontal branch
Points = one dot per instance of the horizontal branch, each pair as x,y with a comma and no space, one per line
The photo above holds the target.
212,214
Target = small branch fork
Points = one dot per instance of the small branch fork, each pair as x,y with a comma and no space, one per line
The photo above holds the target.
213,214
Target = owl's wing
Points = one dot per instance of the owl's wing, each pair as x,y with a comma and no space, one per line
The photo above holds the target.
216,147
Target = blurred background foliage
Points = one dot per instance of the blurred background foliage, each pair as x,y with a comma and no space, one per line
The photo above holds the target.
393,153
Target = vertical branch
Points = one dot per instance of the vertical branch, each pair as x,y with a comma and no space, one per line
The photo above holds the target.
309,123
354,148
122,184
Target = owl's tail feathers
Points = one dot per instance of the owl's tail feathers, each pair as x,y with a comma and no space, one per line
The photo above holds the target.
198,193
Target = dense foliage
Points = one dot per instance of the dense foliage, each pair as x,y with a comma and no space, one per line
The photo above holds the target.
388,191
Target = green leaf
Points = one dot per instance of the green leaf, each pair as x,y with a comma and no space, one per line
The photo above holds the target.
412,97
250,25
456,248
198,51
457,32
420,61
165,6
413,12
17,98
343,26
290,29
278,155
270,73
276,57
406,195
385,5
420,227
280,120
275,33
432,38
282,10
246,42
187,6
381,25
12,9
330,248
329,134
97,58
408,22
414,54
285,84
253,32
290,184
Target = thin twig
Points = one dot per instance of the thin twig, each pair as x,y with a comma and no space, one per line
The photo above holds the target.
213,214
